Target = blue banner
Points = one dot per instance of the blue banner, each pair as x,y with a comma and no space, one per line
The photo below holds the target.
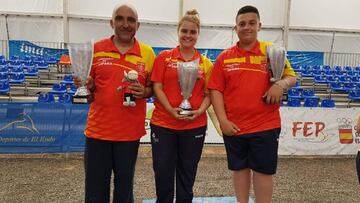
305,58
25,48
42,128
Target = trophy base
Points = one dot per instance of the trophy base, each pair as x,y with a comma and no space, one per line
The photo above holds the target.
185,112
80,99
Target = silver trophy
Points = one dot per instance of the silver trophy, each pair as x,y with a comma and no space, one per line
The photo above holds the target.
276,58
81,56
187,73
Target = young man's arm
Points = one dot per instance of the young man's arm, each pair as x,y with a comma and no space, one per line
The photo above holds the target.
217,100
276,91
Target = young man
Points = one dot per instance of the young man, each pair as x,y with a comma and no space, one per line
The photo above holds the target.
246,104
113,130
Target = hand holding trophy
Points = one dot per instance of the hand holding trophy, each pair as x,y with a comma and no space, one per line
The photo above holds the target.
276,58
81,55
187,73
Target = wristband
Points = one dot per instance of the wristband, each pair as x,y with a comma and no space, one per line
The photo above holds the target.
280,85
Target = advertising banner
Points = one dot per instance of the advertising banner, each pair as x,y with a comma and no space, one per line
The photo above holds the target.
25,48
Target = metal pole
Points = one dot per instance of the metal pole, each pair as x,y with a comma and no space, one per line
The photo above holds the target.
65,22
7,37
331,50
181,9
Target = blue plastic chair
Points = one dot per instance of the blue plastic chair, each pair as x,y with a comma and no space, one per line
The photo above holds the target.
42,65
72,89
318,72
16,69
4,76
354,95
327,103
308,93
4,87
355,79
338,68
65,98
311,102
326,68
320,79
32,71
307,73
349,86
46,97
344,79
357,69
4,68
329,72
331,78
348,68
337,87
58,88
293,102
14,59
28,64
297,68
294,93
68,79
351,73
3,62
17,78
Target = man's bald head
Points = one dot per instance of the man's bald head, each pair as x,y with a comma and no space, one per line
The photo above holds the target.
117,7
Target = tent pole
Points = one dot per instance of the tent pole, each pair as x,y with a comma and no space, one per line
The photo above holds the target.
65,22
286,23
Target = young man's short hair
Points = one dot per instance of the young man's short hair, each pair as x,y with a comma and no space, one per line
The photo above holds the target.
248,9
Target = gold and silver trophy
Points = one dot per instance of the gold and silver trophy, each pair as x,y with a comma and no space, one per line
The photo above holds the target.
81,56
276,58
188,74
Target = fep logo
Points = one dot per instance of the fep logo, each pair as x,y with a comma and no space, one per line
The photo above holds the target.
345,130
309,131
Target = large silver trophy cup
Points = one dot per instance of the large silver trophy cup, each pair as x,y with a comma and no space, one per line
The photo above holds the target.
81,55
187,73
277,57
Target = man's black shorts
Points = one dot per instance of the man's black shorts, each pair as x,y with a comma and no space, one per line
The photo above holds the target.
257,151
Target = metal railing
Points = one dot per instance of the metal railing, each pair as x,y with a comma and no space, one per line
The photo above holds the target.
342,59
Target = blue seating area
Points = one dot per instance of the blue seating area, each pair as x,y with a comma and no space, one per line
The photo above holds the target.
328,81
46,97
331,80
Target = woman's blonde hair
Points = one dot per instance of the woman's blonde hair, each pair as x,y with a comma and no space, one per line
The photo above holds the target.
190,16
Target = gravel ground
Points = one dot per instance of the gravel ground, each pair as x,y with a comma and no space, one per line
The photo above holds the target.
57,178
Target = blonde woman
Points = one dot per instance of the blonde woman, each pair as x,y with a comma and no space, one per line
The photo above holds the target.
177,140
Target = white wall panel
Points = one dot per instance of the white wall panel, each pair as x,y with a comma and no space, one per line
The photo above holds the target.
325,13
158,36
154,10
224,12
3,35
347,43
309,41
33,6
220,38
271,35
81,30
38,29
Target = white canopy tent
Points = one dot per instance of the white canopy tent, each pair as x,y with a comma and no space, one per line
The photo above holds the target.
300,25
